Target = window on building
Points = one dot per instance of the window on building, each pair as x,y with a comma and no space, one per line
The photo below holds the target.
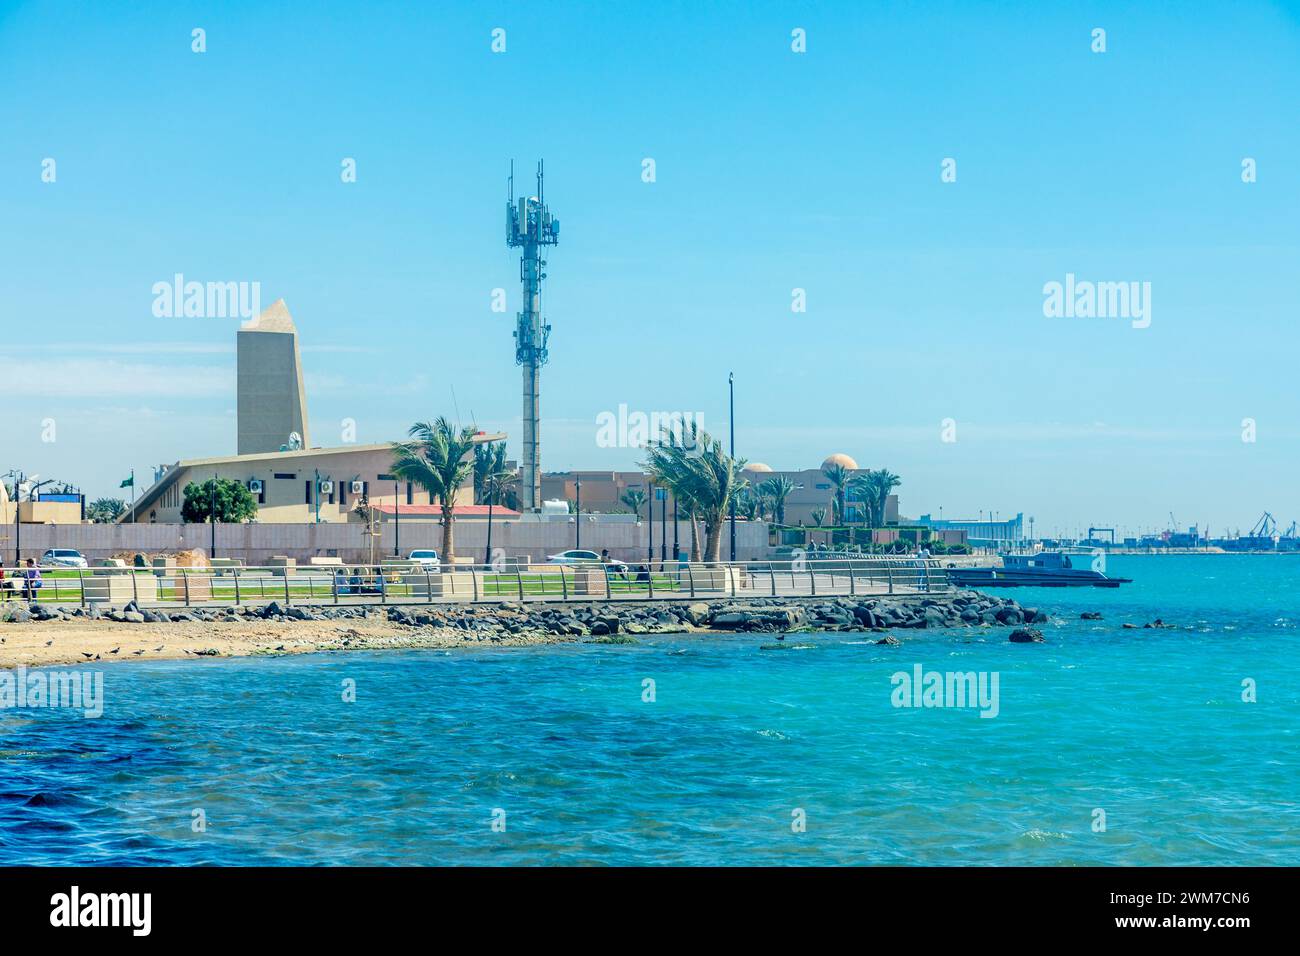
308,484
410,494
281,474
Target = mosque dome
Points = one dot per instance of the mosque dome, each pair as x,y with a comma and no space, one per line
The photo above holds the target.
839,458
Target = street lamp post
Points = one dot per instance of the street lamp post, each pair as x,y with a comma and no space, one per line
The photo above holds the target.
650,526
731,393
577,514
18,525
491,497
663,523
212,514
676,549
397,520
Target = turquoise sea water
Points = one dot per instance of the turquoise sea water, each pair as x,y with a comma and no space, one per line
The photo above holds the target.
1147,725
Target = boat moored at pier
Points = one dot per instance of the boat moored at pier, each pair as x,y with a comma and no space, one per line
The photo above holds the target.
1068,568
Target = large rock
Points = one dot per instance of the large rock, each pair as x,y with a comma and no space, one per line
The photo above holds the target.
731,619
1027,635
1010,615
697,613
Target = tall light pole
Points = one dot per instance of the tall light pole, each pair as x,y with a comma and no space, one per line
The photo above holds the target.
677,551
577,513
397,520
650,526
663,523
491,490
731,391
212,514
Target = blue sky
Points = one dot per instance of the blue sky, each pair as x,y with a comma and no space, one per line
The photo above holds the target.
774,171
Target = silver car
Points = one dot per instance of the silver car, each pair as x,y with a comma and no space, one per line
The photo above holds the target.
63,558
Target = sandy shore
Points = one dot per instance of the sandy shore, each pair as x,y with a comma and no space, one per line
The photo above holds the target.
60,642
69,637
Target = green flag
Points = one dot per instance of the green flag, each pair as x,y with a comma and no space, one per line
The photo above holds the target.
129,482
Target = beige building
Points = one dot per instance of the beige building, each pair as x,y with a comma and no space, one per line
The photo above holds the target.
40,511
314,484
813,490
602,491
272,403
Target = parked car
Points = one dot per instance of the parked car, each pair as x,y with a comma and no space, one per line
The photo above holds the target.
427,559
63,558
580,556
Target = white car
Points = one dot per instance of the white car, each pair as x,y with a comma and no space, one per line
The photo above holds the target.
579,556
427,559
63,558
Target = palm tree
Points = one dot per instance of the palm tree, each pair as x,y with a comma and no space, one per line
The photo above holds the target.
777,490
439,460
818,516
875,487
839,477
749,505
489,459
694,467
886,482
634,498
688,509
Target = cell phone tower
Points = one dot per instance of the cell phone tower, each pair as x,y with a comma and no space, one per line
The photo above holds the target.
529,226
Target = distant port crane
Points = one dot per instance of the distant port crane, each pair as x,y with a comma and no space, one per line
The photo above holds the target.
1111,530
1265,527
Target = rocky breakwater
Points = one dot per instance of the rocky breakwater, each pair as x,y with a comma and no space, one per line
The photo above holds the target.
607,621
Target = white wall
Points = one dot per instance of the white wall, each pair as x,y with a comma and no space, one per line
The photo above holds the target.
257,542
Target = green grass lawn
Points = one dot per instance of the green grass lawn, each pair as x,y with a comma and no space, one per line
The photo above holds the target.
63,587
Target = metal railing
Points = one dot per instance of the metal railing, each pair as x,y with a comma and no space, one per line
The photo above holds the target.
409,582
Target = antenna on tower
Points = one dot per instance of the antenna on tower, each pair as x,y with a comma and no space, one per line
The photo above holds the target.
529,226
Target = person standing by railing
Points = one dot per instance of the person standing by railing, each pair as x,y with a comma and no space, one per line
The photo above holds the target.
923,577
31,581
